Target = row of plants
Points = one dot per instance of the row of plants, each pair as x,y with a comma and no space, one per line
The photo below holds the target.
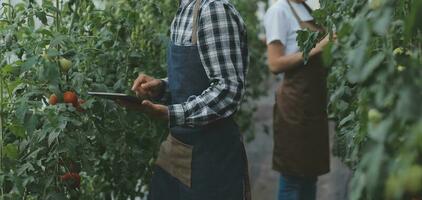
375,84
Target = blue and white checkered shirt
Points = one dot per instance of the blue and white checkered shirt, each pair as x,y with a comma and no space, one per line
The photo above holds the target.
221,39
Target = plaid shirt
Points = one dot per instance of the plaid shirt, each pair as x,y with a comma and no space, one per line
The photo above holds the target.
222,43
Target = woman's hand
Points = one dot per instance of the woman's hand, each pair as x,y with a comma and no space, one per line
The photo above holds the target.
279,62
148,87
319,47
321,44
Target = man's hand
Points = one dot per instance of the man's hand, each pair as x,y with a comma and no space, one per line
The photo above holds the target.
130,105
148,87
157,111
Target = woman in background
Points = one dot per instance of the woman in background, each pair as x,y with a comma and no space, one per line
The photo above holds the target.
301,146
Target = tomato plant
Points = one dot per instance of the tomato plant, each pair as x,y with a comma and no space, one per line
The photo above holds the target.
375,86
56,141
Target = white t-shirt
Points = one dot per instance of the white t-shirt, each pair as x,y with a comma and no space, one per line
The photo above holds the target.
281,24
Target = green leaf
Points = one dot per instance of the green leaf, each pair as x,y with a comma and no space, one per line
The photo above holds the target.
307,40
52,137
408,104
45,32
374,160
12,85
7,69
327,54
30,123
51,73
52,52
11,151
42,17
56,196
413,21
29,63
21,111
347,119
380,131
58,39
383,23
357,75
17,130
27,167
34,154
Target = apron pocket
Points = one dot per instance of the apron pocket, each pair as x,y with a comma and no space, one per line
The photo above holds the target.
175,157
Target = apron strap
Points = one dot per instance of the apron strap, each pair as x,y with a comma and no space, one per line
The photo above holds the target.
295,13
311,26
195,22
308,7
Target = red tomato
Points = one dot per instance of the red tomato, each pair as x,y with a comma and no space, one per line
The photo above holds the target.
53,99
72,179
70,97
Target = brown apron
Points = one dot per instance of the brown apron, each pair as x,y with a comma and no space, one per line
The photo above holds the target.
301,143
199,158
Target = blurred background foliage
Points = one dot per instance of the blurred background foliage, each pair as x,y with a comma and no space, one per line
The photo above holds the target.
375,84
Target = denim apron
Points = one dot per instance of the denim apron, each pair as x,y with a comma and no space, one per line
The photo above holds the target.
198,163
301,143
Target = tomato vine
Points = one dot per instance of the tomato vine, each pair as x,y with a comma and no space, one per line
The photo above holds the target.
375,85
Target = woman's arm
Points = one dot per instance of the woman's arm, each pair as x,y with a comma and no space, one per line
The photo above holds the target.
279,62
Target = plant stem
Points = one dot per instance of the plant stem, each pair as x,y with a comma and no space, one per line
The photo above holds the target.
9,10
9,13
1,129
57,16
74,15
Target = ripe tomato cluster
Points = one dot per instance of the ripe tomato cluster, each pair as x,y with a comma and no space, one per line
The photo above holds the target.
68,97
71,179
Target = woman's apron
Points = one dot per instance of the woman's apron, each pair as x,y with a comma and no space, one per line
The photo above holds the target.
301,143
201,163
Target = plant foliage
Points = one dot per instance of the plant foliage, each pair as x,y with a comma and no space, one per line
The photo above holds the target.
375,93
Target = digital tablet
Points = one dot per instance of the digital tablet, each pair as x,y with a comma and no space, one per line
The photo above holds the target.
116,96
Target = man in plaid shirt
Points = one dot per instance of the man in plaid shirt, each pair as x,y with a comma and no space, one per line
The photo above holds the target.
203,157
222,46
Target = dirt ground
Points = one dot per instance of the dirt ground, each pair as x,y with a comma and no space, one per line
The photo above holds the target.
264,180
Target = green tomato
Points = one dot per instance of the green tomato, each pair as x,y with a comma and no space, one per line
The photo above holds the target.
109,24
45,55
400,68
398,51
374,116
392,187
375,4
65,64
412,179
